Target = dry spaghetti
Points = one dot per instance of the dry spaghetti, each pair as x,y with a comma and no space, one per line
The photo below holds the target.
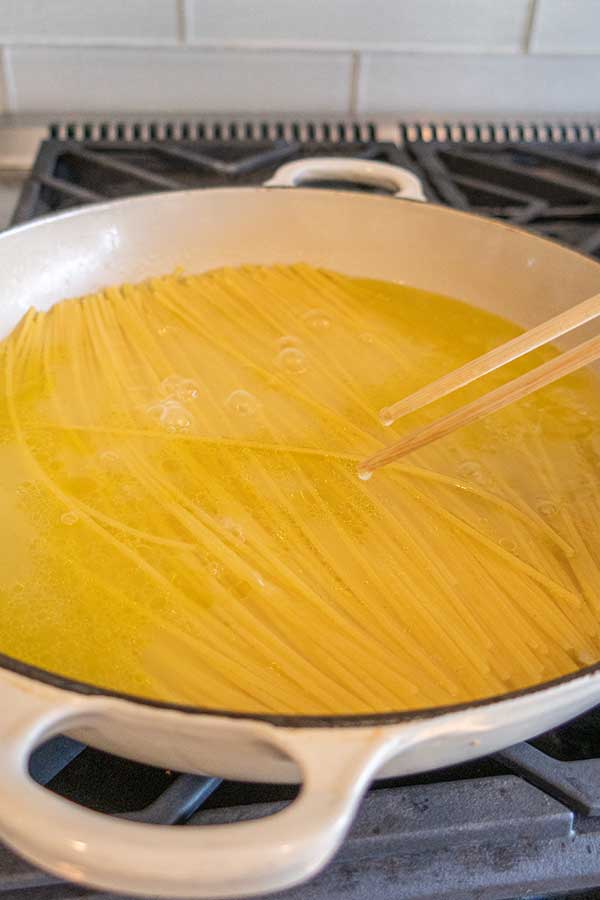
177,462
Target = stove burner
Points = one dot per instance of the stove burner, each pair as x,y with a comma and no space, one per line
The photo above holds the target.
526,821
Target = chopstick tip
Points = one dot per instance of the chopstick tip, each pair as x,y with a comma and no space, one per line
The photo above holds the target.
385,416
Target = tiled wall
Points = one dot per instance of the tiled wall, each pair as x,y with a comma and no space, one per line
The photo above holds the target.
415,58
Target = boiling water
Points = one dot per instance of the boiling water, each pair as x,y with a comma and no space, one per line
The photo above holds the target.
178,468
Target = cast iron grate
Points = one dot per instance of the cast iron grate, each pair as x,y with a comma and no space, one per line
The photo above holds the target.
525,822
69,173
504,826
542,177
553,190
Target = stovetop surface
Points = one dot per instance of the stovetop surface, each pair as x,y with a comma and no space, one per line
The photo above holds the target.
525,822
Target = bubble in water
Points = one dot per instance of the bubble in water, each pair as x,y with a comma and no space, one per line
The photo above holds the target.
155,410
69,518
385,416
25,487
187,390
216,570
164,330
470,469
367,337
178,388
233,527
547,508
292,360
317,319
175,417
109,457
171,415
288,340
168,386
242,403
365,474
581,410
133,491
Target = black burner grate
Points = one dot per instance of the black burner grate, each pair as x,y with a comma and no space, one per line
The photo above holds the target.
553,190
543,178
67,173
525,822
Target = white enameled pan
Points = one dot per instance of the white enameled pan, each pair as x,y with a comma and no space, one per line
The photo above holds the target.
393,237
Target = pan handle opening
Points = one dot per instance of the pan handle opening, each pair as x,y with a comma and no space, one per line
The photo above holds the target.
400,182
205,861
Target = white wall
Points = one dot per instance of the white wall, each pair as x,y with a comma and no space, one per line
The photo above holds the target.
415,58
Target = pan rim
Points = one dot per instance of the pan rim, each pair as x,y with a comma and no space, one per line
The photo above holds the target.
286,720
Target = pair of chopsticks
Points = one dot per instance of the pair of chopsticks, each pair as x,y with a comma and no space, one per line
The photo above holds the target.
510,392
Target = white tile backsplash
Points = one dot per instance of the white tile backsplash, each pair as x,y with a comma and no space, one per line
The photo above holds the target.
567,26
421,86
169,80
467,25
85,21
400,57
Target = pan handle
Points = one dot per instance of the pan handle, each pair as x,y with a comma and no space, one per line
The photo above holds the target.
241,859
401,182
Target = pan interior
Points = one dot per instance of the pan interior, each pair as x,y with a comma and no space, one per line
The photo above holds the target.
263,432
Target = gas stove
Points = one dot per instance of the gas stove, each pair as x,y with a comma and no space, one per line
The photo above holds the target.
524,822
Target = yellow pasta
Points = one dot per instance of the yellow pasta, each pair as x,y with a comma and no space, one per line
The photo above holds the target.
178,470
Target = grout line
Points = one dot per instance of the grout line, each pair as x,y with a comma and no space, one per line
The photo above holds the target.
5,104
85,43
9,79
529,26
183,25
336,46
355,69
184,20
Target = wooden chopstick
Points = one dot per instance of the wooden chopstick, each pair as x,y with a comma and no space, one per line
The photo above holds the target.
499,356
514,390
